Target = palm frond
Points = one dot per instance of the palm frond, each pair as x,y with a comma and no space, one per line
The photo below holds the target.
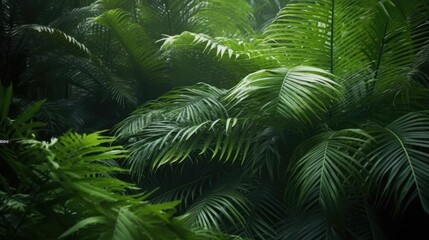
116,4
184,182
133,39
169,17
224,139
266,210
324,166
195,183
400,160
319,34
362,219
398,31
220,207
118,89
55,37
299,95
128,224
195,124
71,19
265,12
76,165
245,53
188,38
197,104
236,17
165,17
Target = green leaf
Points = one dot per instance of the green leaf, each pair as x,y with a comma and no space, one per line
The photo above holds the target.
325,166
82,224
400,165
131,35
57,38
300,95
29,113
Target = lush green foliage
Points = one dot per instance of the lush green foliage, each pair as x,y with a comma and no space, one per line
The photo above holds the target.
304,119
67,188
312,121
102,56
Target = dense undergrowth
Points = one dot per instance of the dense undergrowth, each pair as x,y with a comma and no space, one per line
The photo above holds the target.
245,119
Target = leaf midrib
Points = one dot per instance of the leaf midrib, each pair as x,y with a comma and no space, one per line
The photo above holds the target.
409,161
284,86
325,150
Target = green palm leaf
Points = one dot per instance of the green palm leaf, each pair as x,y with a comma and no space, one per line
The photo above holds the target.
173,17
53,37
133,39
362,220
325,165
319,34
219,207
397,43
243,54
400,161
266,209
225,139
184,182
197,104
299,95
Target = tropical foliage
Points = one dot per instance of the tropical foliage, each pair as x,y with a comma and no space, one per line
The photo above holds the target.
67,187
254,119
102,56
329,124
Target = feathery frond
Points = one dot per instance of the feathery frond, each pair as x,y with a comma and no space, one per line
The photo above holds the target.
133,39
324,166
298,95
400,160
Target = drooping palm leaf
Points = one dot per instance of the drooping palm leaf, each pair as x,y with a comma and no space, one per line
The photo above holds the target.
243,55
197,104
400,160
266,209
324,165
221,206
56,38
133,39
299,95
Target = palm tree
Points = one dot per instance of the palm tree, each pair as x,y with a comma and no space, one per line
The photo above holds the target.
329,124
